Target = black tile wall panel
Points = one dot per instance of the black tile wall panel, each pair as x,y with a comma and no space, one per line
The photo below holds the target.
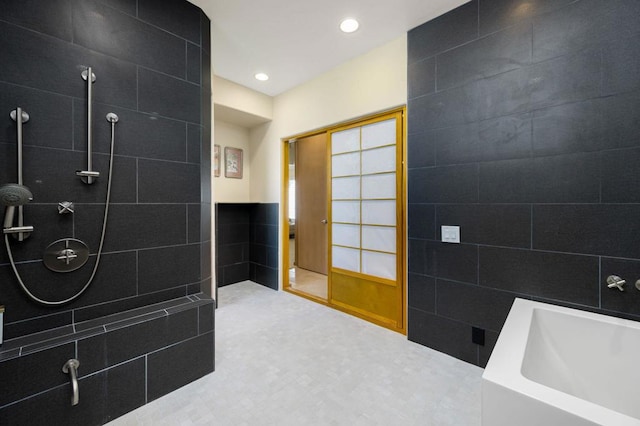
423,74
449,184
558,276
37,324
206,318
422,221
235,273
497,15
50,122
104,309
160,182
500,138
528,142
581,24
180,18
450,30
137,134
168,96
597,229
119,345
133,226
621,176
422,292
264,275
621,65
103,397
194,143
571,179
127,6
442,334
109,31
565,79
169,267
473,305
194,223
485,223
497,53
42,62
190,360
442,109
52,17
24,376
421,150
193,63
206,33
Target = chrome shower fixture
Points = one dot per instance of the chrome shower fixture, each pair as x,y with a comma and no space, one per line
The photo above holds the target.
89,175
112,117
20,232
11,196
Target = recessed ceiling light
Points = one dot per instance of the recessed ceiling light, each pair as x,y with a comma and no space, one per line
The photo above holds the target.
261,76
349,25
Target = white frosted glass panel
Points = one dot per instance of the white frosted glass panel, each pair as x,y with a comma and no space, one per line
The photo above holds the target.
379,264
346,188
345,141
379,238
379,134
379,212
345,258
345,235
379,186
345,164
345,211
379,160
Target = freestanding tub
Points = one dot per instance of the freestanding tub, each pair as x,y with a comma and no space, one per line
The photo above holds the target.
560,366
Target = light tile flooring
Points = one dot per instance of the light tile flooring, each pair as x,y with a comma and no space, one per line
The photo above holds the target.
284,360
309,282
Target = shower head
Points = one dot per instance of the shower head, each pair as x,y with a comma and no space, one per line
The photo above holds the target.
12,194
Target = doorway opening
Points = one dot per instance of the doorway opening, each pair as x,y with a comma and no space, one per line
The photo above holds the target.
344,224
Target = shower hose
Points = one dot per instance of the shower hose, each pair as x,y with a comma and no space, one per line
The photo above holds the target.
99,254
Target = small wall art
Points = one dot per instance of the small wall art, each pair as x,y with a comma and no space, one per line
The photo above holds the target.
216,160
233,162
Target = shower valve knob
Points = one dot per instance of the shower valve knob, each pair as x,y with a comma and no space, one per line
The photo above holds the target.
67,255
65,207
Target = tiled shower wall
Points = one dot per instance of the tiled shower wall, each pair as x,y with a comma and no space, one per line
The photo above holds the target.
142,328
247,243
152,64
524,130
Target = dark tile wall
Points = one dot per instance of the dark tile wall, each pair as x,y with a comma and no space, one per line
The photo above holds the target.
152,66
123,364
523,129
247,243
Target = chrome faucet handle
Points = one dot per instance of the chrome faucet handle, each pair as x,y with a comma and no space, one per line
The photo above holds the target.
615,281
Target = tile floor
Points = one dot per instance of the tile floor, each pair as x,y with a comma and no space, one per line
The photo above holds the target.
284,360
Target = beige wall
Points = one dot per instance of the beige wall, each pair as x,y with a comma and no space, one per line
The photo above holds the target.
227,190
369,83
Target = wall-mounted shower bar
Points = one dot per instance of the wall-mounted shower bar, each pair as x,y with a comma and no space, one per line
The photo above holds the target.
89,175
20,117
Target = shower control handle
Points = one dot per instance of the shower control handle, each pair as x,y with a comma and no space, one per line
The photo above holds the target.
614,281
67,255
65,207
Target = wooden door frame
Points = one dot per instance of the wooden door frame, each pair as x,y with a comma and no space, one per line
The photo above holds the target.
284,220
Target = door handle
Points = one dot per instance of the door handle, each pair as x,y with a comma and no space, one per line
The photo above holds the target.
324,221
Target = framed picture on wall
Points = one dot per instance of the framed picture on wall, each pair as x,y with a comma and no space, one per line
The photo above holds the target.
216,160
232,162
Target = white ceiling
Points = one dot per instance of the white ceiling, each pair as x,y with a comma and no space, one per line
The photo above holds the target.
294,41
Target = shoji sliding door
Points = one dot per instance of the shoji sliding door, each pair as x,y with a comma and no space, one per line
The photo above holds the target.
366,216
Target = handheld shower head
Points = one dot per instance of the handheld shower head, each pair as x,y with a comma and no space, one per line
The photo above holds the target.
12,195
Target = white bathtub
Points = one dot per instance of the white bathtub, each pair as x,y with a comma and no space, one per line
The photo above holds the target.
560,366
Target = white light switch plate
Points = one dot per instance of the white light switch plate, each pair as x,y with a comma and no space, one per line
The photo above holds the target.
450,234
